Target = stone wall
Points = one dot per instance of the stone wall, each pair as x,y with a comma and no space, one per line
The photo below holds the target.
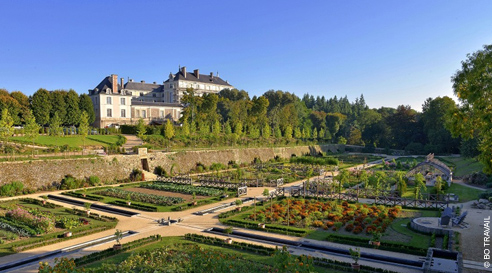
39,173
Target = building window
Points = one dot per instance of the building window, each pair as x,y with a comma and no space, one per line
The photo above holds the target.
162,114
122,101
141,94
171,85
108,100
109,113
138,113
144,114
154,95
123,113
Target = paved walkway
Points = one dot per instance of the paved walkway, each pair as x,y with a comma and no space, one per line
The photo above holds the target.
131,141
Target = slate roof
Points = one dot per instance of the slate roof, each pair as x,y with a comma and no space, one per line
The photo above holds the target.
105,84
143,86
202,78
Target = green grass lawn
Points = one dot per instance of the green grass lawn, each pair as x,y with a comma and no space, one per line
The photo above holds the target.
71,141
465,193
464,166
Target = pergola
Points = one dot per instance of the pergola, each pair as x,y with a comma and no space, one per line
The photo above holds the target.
431,168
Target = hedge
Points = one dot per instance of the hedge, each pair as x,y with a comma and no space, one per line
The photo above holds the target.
133,205
236,245
364,242
97,256
80,195
269,228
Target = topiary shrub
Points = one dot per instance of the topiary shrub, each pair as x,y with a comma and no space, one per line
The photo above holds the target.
69,182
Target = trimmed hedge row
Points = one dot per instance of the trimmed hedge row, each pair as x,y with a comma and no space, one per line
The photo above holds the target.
55,238
80,195
258,249
40,203
364,242
134,205
275,229
94,216
97,256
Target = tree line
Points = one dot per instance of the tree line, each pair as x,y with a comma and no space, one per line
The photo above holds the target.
47,107
283,115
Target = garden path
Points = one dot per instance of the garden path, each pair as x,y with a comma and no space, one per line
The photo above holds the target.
131,141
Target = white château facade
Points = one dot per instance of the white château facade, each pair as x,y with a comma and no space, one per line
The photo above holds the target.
117,103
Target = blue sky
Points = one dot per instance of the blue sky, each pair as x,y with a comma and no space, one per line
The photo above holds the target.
393,52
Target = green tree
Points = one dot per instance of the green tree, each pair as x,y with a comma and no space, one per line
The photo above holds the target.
85,104
216,128
401,184
342,177
419,185
41,106
185,129
267,132
288,132
364,178
473,86
169,130
297,133
277,132
58,105
84,126
73,111
6,125
141,128
438,185
55,126
31,128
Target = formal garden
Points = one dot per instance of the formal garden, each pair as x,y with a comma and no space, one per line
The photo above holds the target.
30,223
343,222
198,253
154,196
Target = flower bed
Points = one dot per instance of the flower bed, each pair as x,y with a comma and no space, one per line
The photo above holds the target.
41,223
187,189
355,218
141,197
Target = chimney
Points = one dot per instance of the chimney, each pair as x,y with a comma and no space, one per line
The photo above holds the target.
142,81
197,75
122,82
155,82
114,82
131,80
183,71
211,76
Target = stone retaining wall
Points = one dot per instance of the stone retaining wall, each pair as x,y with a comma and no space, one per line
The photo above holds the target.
38,173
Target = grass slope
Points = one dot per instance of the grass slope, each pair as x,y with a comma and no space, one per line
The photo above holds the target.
71,141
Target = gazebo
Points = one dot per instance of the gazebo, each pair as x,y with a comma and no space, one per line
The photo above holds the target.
432,168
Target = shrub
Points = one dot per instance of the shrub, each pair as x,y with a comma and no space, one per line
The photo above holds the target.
69,182
160,171
136,175
94,180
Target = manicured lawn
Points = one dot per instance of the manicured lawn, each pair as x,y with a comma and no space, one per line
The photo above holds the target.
71,141
464,166
465,193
